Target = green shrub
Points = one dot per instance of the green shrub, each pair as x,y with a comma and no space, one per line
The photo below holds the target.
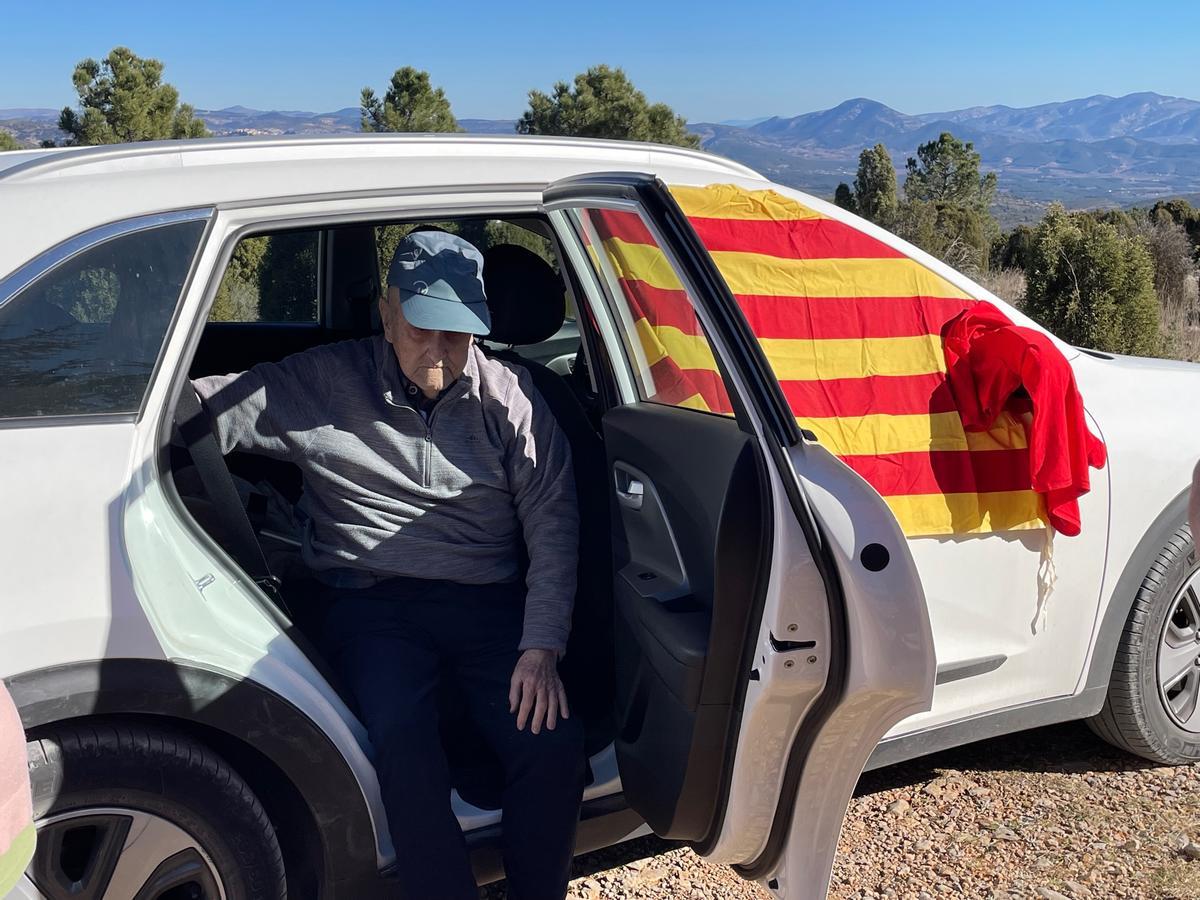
1092,285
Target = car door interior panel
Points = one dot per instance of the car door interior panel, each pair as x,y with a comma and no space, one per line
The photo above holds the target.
655,569
680,617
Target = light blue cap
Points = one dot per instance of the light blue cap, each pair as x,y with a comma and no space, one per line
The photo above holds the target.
440,279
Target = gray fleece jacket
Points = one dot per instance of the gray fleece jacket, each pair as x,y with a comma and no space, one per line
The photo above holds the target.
389,494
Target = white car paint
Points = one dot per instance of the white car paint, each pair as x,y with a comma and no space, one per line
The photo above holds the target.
984,593
897,654
89,557
67,593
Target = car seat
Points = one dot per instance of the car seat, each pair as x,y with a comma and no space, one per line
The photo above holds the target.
527,302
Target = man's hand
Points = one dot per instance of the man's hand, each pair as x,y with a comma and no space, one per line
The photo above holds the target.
536,694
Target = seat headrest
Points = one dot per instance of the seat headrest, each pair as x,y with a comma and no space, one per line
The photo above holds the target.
525,296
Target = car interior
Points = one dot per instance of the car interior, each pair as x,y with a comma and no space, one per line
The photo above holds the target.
673,563
527,298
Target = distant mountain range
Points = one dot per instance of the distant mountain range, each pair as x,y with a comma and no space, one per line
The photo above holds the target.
1145,116
32,126
1094,151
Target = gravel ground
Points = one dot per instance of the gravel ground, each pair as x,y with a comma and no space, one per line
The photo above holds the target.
1047,814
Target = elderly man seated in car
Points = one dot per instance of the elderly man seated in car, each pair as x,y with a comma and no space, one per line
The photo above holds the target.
424,464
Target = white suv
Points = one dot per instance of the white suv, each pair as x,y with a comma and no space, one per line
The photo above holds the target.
757,618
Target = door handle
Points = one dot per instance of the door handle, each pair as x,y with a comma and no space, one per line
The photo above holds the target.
632,494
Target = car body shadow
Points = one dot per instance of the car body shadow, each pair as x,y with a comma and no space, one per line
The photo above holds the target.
1070,748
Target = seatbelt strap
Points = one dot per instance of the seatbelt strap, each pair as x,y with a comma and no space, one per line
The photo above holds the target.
195,428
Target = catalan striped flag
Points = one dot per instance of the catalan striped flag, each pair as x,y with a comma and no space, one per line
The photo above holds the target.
852,328
677,361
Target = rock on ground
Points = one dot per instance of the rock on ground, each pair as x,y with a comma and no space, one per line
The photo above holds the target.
1054,813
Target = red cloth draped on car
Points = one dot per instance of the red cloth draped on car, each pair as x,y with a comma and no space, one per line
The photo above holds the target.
993,365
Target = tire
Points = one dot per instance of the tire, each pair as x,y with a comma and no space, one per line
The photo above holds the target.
202,832
1136,716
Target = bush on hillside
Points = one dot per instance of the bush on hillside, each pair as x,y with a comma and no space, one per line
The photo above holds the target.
1092,285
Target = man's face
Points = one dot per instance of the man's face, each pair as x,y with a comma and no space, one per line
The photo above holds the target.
431,360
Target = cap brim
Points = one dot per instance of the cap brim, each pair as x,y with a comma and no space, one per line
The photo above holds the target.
445,315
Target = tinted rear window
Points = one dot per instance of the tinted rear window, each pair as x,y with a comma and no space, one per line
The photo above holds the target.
84,337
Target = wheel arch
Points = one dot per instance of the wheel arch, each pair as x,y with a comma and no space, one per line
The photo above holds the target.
1112,624
300,777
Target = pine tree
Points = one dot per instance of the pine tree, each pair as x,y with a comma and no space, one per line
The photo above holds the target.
875,186
946,208
411,103
844,197
1092,285
603,103
122,99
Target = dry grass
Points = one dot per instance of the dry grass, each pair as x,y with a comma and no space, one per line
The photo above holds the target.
1007,284
1181,326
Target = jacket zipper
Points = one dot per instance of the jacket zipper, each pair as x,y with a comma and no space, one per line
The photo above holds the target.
428,447
429,434
425,479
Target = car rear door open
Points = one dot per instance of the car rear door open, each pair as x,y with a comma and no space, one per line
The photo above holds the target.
770,624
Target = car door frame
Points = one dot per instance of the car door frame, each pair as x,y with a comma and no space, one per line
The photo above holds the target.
752,383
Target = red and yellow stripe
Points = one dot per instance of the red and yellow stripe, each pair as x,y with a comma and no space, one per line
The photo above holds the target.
852,328
679,365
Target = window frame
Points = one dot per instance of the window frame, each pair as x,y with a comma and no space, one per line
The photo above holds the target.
47,262
631,349
594,293
326,229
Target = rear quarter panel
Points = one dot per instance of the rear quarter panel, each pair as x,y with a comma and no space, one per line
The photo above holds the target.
67,593
1147,410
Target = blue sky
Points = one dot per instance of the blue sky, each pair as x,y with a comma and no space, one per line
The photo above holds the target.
710,61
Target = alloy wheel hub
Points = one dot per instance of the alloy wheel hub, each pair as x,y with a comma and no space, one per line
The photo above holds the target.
113,853
1179,659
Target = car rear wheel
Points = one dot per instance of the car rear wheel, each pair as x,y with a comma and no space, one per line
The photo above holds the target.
126,812
1153,703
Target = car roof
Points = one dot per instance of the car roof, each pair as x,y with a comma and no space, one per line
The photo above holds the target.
13,158
25,165
60,192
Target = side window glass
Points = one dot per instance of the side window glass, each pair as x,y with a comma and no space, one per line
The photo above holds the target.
84,337
669,352
271,278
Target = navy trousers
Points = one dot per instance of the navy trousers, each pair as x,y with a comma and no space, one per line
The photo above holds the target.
392,644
